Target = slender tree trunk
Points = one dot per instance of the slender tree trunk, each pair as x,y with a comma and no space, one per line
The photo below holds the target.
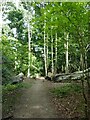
88,93
81,61
62,68
85,59
83,84
52,53
15,56
82,57
56,54
47,53
29,50
67,53
88,79
45,61
15,62
82,67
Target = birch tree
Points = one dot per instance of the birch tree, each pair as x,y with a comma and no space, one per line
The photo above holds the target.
52,66
29,50
56,54
45,59
66,47
47,52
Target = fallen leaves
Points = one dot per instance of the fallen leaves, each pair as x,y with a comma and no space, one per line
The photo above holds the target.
70,106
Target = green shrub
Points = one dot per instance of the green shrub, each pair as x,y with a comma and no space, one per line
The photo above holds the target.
65,90
7,70
10,87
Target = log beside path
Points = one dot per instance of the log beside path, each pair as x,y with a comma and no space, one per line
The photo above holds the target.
72,76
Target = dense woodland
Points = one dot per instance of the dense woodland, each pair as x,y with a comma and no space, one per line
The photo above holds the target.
47,37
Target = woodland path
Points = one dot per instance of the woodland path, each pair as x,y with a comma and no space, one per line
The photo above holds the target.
35,102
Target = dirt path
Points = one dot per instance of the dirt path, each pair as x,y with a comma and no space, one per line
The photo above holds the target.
35,102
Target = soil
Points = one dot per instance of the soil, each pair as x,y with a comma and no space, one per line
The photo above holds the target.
35,102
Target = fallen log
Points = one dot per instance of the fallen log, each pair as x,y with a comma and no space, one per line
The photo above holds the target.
72,76
17,79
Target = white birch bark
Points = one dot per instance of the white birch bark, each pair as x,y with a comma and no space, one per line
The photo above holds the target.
56,54
67,53
52,53
45,59
29,41
45,52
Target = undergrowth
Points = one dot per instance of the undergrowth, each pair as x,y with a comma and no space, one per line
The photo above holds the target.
10,94
66,90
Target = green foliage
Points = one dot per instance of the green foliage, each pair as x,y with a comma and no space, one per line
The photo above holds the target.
65,90
7,58
11,88
16,18
71,18
63,18
7,71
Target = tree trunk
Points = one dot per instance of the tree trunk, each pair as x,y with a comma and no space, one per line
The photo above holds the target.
15,56
29,49
83,85
81,62
88,95
88,79
66,47
62,68
86,60
45,61
47,53
52,69
56,54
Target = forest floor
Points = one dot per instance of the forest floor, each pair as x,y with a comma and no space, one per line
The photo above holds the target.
36,101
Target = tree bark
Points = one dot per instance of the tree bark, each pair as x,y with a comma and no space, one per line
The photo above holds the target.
66,47
56,54
45,61
83,84
47,53
29,50
88,95
88,78
52,53
15,56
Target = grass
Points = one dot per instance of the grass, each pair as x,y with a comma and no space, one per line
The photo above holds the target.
10,87
66,90
10,94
